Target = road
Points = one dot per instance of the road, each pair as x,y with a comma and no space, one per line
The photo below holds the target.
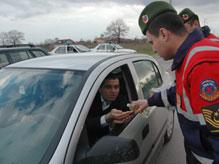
173,152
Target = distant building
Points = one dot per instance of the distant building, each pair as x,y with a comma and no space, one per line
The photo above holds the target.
99,40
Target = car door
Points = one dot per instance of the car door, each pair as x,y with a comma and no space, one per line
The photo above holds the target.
61,50
137,129
101,48
110,48
148,80
145,127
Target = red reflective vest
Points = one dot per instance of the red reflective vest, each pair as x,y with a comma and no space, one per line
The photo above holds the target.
213,37
200,64
197,93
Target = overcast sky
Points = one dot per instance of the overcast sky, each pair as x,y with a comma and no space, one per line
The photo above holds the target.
87,19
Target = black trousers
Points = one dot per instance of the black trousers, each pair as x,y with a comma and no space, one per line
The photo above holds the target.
190,158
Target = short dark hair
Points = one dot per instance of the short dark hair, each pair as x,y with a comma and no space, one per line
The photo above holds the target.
169,20
111,76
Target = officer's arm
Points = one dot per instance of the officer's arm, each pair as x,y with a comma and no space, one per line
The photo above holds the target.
203,90
164,98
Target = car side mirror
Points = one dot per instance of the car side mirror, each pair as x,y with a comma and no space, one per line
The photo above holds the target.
111,149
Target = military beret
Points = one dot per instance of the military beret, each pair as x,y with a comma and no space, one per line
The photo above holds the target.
151,11
186,14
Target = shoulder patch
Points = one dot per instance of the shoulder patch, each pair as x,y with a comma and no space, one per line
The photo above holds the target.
209,90
211,116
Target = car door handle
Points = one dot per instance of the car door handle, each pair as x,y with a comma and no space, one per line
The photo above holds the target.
145,131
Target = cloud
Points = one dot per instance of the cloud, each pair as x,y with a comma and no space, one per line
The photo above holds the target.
15,9
85,19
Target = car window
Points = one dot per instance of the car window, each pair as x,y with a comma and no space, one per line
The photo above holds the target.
126,83
17,56
38,53
60,50
109,47
82,48
117,46
147,75
35,106
3,60
101,47
118,102
71,49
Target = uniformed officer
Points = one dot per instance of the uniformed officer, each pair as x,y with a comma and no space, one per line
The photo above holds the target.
191,21
196,94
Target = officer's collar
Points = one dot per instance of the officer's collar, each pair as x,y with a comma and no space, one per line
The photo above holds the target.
195,36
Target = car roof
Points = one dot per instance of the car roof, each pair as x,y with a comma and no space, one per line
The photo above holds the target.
67,61
18,48
65,45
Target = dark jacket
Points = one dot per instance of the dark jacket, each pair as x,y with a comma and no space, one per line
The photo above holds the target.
94,128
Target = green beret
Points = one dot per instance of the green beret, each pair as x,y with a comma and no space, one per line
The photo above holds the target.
186,14
151,11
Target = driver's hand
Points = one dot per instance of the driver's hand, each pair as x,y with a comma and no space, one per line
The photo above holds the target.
117,116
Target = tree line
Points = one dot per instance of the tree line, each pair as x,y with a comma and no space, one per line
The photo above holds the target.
12,37
114,32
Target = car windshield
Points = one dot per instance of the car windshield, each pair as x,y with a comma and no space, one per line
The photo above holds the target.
34,105
82,48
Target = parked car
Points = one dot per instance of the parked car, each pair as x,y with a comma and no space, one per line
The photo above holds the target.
111,47
44,103
69,49
12,54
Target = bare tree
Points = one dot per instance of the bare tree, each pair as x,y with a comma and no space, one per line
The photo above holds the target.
4,38
15,37
117,29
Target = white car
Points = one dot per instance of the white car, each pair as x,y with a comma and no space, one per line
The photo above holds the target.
111,47
44,103
69,49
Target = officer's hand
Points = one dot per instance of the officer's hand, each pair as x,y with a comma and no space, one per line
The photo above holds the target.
138,106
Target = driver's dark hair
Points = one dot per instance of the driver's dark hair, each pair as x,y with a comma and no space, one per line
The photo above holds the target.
110,76
168,20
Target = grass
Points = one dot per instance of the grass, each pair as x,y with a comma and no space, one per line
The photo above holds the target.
144,48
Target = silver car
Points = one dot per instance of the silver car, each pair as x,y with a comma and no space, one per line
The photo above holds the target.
69,49
44,103
111,47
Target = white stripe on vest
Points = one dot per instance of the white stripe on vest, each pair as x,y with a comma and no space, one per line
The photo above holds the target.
214,39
